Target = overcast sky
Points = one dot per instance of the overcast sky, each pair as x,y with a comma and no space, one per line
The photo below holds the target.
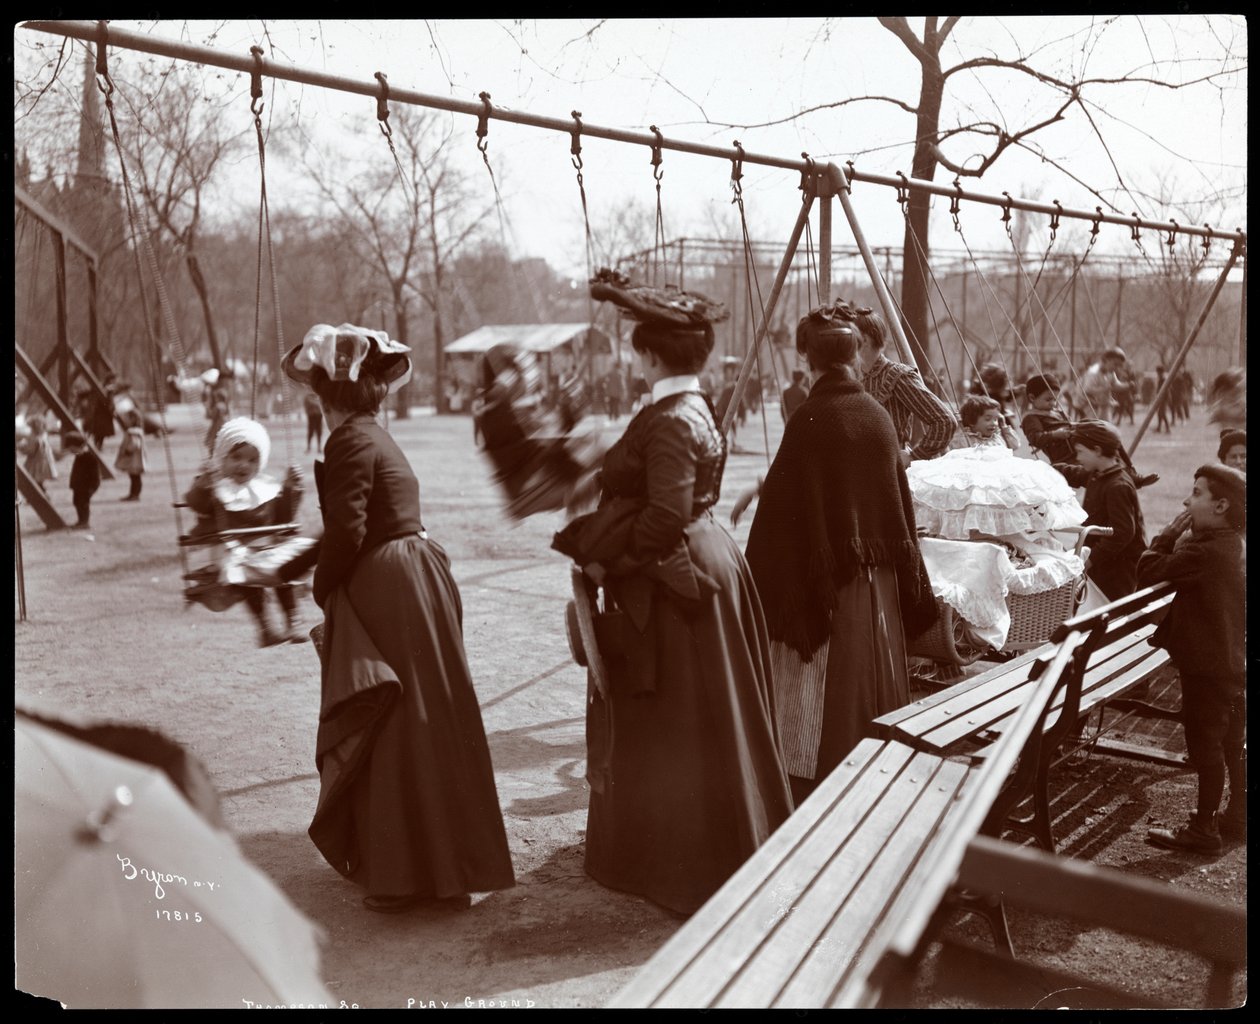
696,79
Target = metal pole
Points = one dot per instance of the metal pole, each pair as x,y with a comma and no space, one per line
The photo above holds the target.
1242,320
1185,348
1072,335
750,360
246,64
126,39
824,251
840,185
17,545
63,341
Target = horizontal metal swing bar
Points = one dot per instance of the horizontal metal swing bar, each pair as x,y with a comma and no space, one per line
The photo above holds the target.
918,184
126,39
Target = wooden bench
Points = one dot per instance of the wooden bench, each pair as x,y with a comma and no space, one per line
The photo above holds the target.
844,892
1059,887
1115,657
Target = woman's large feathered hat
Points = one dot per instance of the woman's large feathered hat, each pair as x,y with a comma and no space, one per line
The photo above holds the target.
662,307
342,352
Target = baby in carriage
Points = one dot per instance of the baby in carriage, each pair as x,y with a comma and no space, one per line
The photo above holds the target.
990,519
232,493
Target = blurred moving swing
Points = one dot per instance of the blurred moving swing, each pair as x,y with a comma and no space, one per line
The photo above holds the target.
240,557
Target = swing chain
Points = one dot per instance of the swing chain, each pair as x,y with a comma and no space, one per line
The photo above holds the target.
1006,213
657,173
255,85
737,172
575,147
903,193
1054,220
1171,241
483,124
954,204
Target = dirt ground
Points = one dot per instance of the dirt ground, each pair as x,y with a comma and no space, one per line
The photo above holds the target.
107,637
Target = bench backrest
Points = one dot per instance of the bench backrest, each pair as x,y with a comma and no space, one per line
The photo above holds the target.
892,949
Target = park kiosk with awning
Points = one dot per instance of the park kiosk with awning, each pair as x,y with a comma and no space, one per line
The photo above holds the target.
559,348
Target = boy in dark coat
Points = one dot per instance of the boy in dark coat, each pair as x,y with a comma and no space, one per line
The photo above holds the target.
1110,500
1045,426
85,478
1204,632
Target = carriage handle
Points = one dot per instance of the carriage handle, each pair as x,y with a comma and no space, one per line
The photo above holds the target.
1083,533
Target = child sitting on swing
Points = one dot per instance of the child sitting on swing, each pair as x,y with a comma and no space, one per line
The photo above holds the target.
232,493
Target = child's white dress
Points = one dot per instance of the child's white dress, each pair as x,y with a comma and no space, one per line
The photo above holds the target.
986,489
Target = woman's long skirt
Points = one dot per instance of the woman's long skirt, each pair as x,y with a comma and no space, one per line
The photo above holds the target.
407,802
825,705
691,780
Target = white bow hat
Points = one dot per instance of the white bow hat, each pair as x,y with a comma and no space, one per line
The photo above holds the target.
342,352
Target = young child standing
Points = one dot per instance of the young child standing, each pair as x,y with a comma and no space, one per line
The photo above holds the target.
1110,500
983,423
131,455
1204,633
85,477
40,462
233,493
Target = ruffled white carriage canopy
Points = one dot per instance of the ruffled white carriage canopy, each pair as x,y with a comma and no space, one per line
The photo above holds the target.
992,491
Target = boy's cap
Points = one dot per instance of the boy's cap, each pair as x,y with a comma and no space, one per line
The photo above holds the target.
73,439
1096,434
1040,383
1231,439
1226,482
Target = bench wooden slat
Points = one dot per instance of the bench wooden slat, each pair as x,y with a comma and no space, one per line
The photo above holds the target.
991,717
892,881
1116,675
887,724
747,887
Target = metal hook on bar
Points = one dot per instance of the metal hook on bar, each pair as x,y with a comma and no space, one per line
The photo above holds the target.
1054,219
808,175
382,104
737,163
1093,232
575,147
903,190
1006,211
1207,239
1171,241
955,204
102,45
483,122
1134,232
255,82
657,173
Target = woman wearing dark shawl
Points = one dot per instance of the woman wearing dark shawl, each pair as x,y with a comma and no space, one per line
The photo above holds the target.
683,761
836,560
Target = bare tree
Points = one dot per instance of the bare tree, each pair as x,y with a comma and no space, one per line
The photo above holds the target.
176,142
409,221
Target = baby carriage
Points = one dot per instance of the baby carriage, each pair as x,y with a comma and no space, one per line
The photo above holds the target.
1005,549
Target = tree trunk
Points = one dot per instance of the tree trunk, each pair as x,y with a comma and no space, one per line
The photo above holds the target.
916,277
203,294
402,397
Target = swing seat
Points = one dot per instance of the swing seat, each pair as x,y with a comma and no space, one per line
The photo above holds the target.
203,588
243,534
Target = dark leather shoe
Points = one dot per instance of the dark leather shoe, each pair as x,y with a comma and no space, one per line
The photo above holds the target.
1193,838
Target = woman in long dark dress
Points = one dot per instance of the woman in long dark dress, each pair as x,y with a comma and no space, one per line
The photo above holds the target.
836,560
407,805
683,760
